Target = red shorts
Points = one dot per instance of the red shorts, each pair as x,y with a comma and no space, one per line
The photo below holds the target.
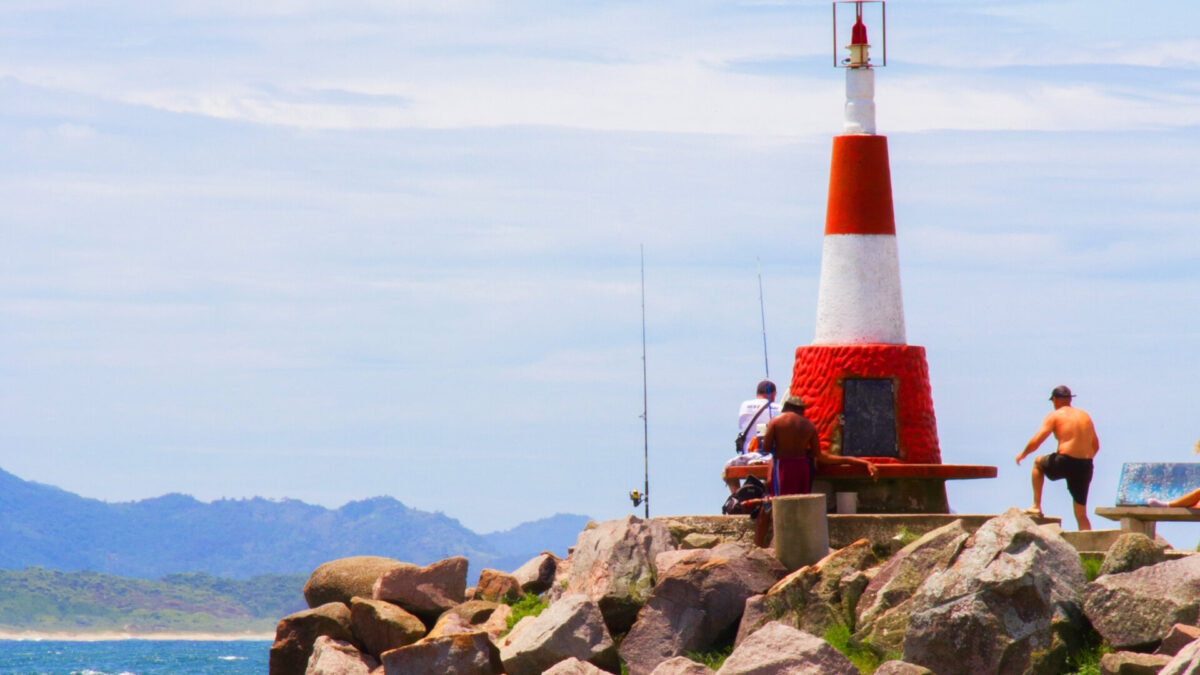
792,476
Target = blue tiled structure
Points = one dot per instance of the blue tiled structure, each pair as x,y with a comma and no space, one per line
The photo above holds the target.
1162,480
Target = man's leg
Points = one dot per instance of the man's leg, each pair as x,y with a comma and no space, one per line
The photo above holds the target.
1081,517
762,527
1189,500
733,484
1039,479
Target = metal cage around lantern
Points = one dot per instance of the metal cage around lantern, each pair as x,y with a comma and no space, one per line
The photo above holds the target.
878,26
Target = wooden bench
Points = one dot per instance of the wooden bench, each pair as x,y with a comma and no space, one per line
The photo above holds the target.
900,487
1161,480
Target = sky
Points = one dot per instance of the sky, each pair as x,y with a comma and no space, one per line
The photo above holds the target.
335,250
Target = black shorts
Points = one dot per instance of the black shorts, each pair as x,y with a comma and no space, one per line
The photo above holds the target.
1078,473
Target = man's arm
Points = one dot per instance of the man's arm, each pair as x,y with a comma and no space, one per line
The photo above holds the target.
1042,434
768,444
825,458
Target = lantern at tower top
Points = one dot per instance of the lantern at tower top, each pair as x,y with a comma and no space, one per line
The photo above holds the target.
855,23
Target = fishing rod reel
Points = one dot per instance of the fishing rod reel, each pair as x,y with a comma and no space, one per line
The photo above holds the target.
638,497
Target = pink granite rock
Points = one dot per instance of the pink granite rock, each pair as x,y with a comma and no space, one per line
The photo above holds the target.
462,654
816,597
779,648
1133,663
571,627
1009,602
700,598
345,578
573,666
1186,662
613,564
1138,608
424,591
296,633
381,626
1180,636
496,586
471,617
537,575
335,657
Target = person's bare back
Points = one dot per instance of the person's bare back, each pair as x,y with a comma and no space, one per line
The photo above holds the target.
1074,431
792,435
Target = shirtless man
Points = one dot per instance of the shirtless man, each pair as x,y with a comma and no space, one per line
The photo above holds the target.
1077,445
795,445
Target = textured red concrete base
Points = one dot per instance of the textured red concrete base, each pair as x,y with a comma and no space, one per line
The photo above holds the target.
818,378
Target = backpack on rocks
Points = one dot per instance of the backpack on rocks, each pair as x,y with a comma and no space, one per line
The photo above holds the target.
753,488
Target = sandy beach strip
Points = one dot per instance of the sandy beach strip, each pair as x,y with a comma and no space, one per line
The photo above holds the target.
112,636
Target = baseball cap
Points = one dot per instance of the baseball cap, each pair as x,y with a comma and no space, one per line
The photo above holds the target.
1061,391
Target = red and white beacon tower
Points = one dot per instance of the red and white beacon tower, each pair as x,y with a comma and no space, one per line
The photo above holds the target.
867,389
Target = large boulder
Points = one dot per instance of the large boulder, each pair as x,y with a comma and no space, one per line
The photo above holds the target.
1131,551
780,648
462,654
613,564
1186,662
1007,603
537,575
698,600
424,591
380,626
497,586
1137,609
470,617
296,633
1132,663
573,666
1180,636
571,627
335,657
345,578
816,597
885,603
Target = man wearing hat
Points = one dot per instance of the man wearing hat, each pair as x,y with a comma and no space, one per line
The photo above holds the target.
794,444
1077,445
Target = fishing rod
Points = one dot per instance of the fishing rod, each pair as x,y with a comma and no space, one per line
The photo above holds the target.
644,495
762,310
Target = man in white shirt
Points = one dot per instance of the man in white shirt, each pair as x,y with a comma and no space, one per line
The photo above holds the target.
751,414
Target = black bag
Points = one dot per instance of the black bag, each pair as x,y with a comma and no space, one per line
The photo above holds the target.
740,443
753,488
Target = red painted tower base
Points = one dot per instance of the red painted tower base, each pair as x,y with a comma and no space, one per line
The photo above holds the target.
819,377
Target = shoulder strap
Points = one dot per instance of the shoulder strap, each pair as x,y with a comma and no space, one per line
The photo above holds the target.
746,431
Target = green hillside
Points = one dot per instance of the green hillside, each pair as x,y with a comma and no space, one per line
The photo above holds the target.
37,599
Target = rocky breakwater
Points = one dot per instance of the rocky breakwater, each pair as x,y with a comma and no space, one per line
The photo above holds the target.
1008,597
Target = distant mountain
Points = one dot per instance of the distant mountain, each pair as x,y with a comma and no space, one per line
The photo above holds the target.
526,537
47,527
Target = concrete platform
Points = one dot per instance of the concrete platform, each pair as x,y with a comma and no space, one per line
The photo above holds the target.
1093,541
887,532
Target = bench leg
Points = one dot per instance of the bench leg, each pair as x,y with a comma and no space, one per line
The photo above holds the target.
1145,527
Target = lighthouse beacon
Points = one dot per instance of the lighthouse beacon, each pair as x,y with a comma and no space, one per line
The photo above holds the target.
868,390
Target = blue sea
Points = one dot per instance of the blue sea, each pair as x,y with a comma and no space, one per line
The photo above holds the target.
133,657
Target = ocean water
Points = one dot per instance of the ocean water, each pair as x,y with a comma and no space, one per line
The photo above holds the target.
133,657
